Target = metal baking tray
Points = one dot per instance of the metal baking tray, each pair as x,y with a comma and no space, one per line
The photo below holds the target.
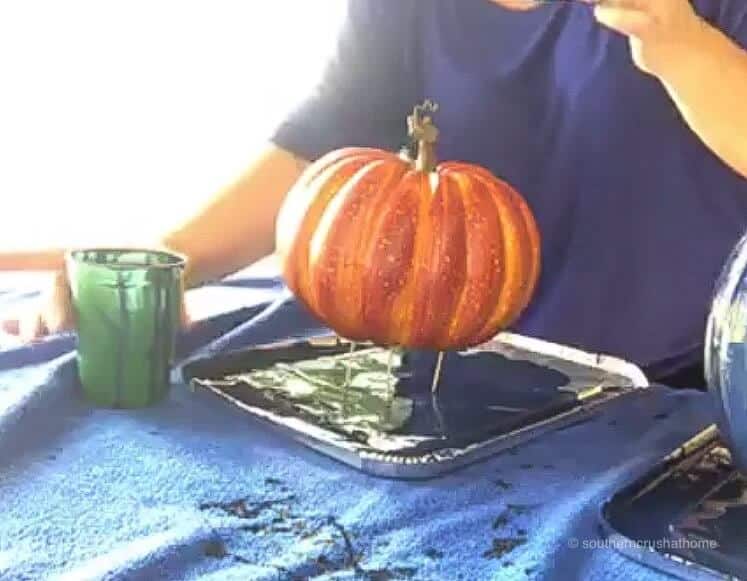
686,517
386,420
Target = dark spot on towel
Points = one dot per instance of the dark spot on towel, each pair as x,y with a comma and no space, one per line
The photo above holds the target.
335,535
351,557
507,564
521,532
502,483
512,451
154,432
215,549
273,481
502,546
661,416
612,423
324,563
522,508
308,533
528,571
526,466
389,574
501,520
433,553
52,457
243,508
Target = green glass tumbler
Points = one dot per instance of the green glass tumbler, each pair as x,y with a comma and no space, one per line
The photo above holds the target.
127,304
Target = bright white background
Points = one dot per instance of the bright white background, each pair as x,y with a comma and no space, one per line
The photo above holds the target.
134,111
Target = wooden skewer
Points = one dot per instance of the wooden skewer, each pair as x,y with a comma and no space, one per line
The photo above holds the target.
348,368
437,372
434,394
439,415
389,369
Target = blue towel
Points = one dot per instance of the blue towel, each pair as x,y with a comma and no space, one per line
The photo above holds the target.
193,489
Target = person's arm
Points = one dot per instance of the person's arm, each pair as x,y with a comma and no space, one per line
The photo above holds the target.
363,99
233,229
237,226
711,93
704,70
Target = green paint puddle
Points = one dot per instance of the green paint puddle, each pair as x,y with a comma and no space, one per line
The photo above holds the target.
367,406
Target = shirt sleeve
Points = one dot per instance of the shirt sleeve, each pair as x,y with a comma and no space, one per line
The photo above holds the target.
731,18
368,88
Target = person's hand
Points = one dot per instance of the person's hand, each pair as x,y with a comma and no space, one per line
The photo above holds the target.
49,315
53,312
519,5
661,32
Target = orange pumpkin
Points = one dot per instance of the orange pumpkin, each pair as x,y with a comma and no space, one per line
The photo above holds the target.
405,252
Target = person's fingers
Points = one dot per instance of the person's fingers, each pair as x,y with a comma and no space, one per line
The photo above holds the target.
11,326
51,314
629,4
628,21
58,313
185,319
520,4
32,327
40,260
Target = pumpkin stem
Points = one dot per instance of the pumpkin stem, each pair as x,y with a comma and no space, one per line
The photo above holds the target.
421,129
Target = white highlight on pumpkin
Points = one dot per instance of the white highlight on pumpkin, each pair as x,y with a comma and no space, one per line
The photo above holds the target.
319,237
434,180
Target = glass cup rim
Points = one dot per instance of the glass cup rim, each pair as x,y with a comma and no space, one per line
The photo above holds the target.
176,259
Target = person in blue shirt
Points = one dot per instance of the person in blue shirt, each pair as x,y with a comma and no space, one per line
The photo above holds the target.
623,123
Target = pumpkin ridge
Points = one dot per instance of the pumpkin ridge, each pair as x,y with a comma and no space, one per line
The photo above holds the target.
325,247
342,230
516,253
533,242
406,310
310,202
389,254
487,281
452,329
459,254
290,218
531,245
371,225
446,276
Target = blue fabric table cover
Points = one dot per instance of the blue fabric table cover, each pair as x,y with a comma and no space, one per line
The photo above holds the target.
193,489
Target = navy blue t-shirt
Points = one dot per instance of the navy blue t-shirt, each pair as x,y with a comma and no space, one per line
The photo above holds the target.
637,216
